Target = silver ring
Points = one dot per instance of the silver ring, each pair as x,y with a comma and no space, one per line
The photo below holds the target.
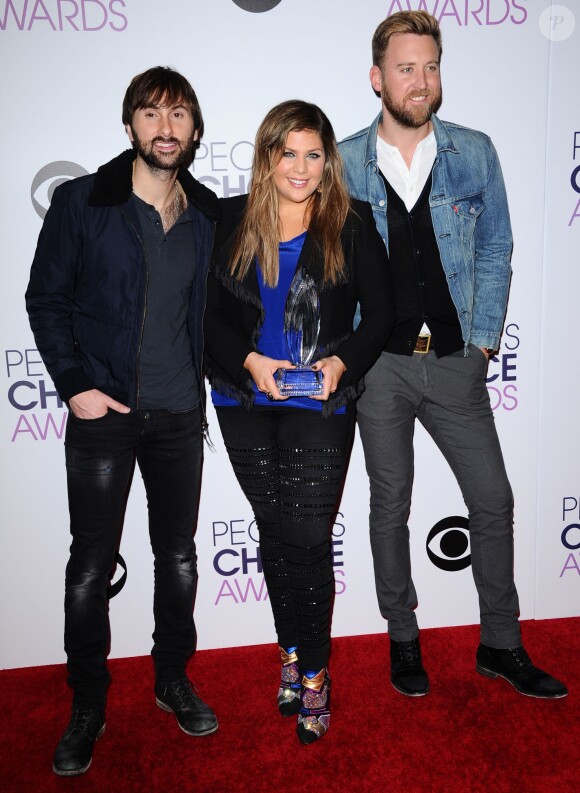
270,396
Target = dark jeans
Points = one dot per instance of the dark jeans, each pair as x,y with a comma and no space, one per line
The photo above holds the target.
290,464
100,459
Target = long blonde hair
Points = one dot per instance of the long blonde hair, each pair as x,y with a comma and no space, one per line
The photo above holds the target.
258,235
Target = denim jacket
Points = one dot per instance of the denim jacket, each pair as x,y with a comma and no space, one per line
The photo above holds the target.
470,220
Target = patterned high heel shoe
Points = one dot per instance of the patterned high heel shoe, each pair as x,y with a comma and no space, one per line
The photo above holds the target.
314,715
289,691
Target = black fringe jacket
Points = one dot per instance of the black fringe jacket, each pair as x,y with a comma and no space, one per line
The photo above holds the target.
234,312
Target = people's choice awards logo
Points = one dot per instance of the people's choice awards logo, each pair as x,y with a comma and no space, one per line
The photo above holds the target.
570,536
41,412
557,22
224,167
84,16
448,544
575,175
466,13
257,6
54,174
238,563
502,372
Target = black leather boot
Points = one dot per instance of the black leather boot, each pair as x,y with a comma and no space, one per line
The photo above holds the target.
74,753
515,666
407,673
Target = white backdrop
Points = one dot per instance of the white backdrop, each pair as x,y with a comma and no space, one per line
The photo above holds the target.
509,68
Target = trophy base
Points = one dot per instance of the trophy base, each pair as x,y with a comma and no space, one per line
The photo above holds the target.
301,381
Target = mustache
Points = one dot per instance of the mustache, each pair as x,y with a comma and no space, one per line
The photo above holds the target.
414,93
161,139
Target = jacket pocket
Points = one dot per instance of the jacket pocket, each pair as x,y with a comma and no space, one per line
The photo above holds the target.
465,212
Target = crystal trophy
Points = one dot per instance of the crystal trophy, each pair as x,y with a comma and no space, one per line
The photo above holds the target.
301,327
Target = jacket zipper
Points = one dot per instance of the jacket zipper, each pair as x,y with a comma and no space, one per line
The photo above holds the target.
139,346
204,421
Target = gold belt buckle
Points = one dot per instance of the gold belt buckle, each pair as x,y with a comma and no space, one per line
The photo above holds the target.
423,344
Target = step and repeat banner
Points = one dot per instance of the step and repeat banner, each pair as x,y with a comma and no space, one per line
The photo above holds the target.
509,68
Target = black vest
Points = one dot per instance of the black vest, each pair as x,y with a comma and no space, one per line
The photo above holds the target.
421,291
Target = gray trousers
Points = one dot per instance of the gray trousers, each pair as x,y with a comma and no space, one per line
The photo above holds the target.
450,399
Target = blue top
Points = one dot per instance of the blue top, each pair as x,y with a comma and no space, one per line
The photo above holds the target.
272,341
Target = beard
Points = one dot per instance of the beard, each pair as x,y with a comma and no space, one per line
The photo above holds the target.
411,117
183,155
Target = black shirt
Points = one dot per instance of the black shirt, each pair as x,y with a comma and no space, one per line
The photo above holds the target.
166,374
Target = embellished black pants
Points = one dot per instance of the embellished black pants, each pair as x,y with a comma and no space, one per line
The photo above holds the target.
291,464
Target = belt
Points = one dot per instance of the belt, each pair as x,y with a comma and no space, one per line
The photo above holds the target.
423,343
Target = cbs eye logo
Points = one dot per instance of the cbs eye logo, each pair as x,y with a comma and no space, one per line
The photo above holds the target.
448,544
257,6
54,174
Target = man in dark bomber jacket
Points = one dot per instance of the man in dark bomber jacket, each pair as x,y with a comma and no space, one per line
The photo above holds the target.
116,299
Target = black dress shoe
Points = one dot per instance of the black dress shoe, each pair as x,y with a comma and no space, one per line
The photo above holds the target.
407,673
180,697
516,667
74,753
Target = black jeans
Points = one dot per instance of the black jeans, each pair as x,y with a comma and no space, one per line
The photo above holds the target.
291,464
100,459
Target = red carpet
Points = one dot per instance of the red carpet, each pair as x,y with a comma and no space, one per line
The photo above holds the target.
469,734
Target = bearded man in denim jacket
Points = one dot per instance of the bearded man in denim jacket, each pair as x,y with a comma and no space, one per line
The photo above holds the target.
439,203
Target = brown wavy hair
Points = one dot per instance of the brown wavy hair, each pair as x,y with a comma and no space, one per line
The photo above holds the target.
161,84
258,235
